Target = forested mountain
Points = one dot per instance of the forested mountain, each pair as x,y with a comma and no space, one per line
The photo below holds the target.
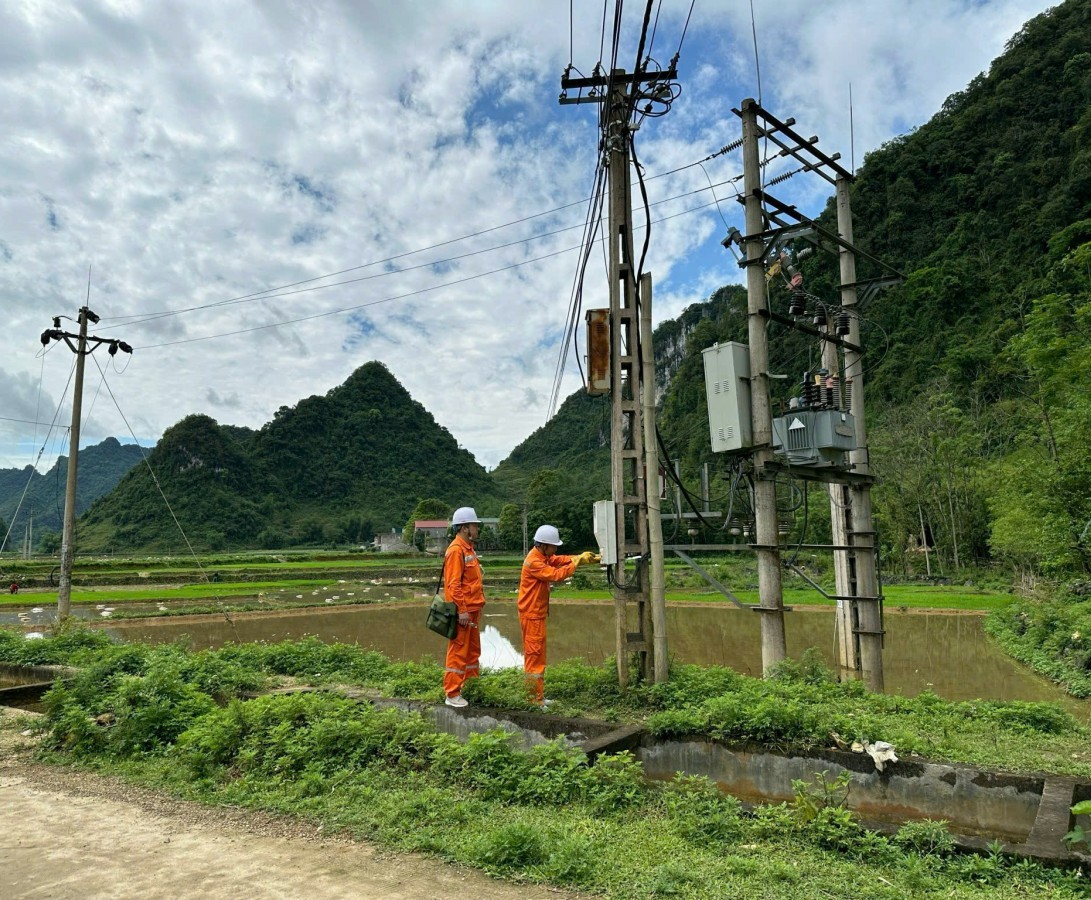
101,467
978,366
331,468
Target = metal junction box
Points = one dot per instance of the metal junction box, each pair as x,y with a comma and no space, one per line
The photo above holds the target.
727,388
814,437
604,519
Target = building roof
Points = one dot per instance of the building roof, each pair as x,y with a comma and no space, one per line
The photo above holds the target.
430,523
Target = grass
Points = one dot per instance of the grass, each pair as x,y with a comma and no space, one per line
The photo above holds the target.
174,723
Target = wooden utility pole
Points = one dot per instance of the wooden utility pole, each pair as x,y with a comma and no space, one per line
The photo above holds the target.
767,538
80,348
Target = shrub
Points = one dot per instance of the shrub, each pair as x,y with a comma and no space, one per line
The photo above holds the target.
511,846
925,838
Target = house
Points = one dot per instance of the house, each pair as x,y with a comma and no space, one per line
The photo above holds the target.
434,531
391,543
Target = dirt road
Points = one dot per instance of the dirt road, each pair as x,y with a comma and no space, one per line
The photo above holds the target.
72,834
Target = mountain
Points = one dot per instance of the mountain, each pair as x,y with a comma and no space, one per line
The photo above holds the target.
978,365
331,468
101,468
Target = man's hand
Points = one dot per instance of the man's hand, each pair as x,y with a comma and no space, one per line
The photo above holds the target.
463,619
587,557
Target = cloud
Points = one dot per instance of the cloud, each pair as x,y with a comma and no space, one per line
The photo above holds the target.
196,156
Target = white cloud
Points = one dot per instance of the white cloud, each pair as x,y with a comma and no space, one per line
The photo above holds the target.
194,153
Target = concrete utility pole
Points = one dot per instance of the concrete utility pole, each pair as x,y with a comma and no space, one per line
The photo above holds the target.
651,484
861,527
80,348
633,460
769,225
767,538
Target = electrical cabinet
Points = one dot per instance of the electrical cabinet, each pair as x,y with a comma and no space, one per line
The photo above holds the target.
604,520
727,388
814,437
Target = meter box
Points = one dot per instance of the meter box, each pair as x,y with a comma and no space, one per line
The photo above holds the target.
727,389
814,437
604,521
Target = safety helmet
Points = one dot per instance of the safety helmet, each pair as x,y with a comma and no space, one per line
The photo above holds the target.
465,515
547,534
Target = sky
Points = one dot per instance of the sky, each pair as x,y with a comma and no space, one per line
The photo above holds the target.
395,181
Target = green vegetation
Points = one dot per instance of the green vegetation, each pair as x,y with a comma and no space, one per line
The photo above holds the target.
329,470
1052,635
174,720
101,468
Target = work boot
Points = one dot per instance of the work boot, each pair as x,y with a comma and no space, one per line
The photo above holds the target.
545,703
457,701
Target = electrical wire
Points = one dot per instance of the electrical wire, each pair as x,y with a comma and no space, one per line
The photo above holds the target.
151,471
681,40
34,467
284,290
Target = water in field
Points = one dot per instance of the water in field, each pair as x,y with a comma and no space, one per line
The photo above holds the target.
949,654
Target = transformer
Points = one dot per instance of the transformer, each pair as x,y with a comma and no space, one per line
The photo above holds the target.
814,437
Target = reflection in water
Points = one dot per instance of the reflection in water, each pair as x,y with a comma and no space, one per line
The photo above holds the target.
497,652
947,654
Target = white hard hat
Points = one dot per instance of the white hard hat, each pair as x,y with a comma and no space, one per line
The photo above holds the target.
465,515
547,534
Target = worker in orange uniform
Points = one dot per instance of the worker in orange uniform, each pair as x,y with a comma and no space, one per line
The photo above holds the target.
462,586
542,568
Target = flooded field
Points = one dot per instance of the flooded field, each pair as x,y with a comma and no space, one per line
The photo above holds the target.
949,654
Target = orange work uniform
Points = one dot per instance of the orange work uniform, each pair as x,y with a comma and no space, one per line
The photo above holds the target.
538,576
462,586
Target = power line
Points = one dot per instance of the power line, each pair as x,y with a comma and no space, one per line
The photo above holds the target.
271,293
405,295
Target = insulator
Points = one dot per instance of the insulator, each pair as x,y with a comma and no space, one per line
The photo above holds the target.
846,394
819,319
843,323
796,305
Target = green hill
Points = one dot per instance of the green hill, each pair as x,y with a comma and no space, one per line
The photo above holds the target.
101,468
330,469
978,366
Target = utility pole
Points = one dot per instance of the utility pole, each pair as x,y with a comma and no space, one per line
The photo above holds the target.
770,223
767,539
631,437
80,348
651,486
861,528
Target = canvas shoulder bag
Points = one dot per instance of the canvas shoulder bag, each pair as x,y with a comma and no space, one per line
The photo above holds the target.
442,615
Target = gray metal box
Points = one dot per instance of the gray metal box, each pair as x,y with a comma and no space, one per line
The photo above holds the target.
814,437
727,388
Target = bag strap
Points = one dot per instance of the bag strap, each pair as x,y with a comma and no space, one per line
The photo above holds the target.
439,582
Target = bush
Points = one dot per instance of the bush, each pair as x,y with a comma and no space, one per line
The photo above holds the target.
512,846
701,812
925,838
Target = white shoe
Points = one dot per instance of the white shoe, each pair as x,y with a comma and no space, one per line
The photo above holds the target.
546,703
456,701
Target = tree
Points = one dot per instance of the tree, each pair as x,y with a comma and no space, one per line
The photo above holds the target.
429,508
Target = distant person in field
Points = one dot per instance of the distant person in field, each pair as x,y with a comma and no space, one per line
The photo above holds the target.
15,587
463,587
542,568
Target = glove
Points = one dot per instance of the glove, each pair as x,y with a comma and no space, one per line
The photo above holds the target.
587,557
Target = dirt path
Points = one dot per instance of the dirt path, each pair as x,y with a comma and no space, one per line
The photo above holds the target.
73,834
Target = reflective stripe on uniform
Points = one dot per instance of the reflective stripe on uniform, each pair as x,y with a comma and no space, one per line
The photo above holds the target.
472,666
456,671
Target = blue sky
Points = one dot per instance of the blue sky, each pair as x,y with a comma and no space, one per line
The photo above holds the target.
194,154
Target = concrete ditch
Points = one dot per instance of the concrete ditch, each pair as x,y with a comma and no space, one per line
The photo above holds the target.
1028,814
